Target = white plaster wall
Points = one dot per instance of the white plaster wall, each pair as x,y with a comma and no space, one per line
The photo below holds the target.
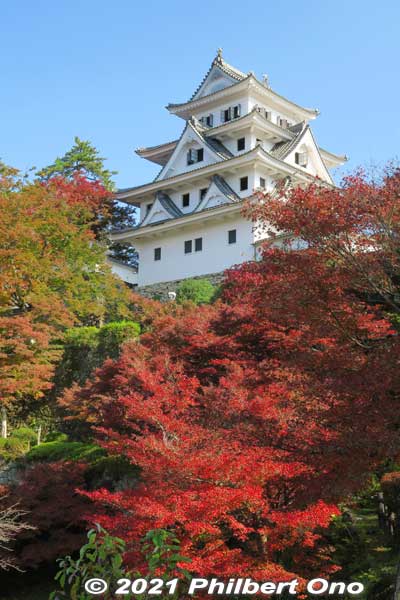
315,165
180,163
216,112
269,182
231,143
217,255
194,191
275,114
125,273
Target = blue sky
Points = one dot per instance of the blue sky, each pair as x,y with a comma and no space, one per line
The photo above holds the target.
105,70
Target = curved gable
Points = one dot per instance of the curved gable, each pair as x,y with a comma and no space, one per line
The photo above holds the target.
219,192
219,76
163,209
191,139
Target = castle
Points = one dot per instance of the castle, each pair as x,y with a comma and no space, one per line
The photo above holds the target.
239,136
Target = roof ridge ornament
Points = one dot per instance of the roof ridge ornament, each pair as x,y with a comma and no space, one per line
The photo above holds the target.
265,80
219,58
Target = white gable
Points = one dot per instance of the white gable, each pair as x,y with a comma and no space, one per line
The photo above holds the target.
215,81
214,197
157,213
177,163
308,149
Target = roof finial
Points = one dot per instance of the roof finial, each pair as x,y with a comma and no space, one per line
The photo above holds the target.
265,80
219,54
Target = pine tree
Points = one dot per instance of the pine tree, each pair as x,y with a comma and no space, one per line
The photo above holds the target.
84,158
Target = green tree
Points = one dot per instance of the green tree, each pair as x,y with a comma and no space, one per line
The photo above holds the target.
85,159
52,276
199,291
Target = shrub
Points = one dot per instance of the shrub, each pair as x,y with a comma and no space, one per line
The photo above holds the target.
112,335
48,494
25,433
56,436
110,472
101,556
14,447
199,291
86,348
59,451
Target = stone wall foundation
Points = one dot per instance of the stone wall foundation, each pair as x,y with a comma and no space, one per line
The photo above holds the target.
159,291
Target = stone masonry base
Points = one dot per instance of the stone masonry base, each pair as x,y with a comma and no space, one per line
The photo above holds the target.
160,290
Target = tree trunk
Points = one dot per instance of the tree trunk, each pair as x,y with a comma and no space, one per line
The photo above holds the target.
39,435
3,423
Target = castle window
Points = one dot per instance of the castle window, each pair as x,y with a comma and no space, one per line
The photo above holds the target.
262,183
198,244
203,192
244,183
148,208
241,144
301,159
188,246
157,253
207,121
236,111
185,200
232,236
226,115
194,155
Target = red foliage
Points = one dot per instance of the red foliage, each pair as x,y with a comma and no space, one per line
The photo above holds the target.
252,418
48,494
89,198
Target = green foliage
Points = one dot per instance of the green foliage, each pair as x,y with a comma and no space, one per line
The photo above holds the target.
82,157
112,335
100,557
59,450
109,471
56,436
17,444
13,448
199,291
362,550
86,348
26,434
162,552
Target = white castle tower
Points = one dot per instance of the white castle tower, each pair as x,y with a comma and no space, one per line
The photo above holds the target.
239,136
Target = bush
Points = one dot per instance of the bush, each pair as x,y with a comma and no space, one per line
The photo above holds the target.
199,291
64,451
54,508
86,348
25,433
112,335
56,436
111,472
14,447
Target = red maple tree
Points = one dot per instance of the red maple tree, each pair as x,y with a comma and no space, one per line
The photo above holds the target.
252,418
